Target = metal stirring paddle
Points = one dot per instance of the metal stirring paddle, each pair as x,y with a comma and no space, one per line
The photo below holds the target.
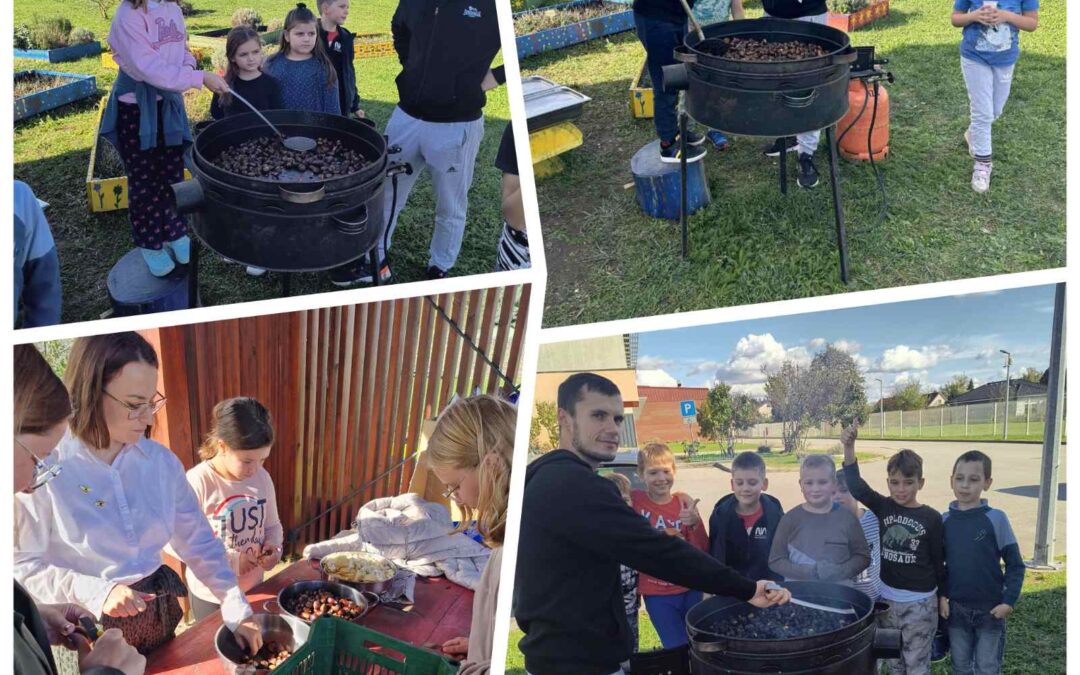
294,143
811,605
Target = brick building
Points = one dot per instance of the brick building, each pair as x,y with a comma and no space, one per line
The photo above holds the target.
659,417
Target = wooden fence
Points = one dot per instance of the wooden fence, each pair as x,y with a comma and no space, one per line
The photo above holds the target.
349,389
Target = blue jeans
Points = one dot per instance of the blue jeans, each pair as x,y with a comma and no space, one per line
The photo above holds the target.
668,616
977,641
660,38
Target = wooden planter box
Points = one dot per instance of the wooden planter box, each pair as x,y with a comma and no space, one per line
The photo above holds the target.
856,20
641,93
62,54
575,33
75,88
374,49
106,193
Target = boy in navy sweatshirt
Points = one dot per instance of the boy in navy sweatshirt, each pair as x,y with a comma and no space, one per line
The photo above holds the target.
978,596
743,523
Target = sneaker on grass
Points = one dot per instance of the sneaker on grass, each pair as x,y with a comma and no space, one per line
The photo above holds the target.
359,272
785,144
808,174
980,176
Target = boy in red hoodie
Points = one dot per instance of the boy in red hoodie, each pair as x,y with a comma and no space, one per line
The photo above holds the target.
675,513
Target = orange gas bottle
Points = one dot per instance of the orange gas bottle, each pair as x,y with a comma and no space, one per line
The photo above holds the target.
853,142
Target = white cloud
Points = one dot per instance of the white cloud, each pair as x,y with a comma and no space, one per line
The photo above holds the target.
818,343
651,362
704,367
848,346
655,377
901,357
752,353
906,377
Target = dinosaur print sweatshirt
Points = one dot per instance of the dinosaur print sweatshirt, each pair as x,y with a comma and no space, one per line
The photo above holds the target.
912,539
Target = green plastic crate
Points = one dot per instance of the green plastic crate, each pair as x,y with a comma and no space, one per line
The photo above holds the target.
340,647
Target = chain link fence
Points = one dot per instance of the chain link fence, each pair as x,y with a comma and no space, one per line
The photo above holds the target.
1023,420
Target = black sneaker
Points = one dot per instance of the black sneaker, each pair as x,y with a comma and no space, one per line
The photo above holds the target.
359,272
785,144
670,153
433,272
808,175
692,138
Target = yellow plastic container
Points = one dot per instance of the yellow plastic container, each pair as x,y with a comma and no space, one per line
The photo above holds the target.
641,97
547,144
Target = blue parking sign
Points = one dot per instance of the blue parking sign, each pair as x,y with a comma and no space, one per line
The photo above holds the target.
688,408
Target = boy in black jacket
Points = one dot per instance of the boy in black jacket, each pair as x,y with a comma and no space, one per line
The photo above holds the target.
576,530
339,44
743,523
445,48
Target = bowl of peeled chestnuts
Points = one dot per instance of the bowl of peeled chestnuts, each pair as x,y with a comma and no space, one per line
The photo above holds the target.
282,635
308,600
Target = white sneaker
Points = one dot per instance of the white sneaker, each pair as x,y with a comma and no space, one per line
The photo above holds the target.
980,177
255,271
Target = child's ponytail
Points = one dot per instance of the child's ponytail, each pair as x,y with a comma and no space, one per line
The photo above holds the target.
301,14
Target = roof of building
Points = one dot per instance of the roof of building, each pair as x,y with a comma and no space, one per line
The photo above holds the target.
995,391
672,394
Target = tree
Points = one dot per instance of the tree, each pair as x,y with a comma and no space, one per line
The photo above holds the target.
908,396
723,414
56,354
956,386
545,419
1032,375
830,389
103,6
971,384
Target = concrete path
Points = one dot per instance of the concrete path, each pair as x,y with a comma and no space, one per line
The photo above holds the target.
1016,468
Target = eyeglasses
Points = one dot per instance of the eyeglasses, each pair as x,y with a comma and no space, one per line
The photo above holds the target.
138,410
449,492
43,473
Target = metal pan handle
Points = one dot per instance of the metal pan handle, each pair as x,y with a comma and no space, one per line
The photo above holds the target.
849,55
684,55
305,197
353,223
274,602
373,600
789,101
711,647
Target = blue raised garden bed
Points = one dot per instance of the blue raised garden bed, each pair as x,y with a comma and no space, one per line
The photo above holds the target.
62,54
575,33
75,87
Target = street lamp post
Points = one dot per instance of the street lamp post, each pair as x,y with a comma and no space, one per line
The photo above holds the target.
1008,365
881,404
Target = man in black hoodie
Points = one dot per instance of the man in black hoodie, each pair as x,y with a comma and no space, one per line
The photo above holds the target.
575,532
445,48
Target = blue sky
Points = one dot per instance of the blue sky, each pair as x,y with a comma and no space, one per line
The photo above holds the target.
924,340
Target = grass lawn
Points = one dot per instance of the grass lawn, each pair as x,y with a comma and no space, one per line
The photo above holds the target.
52,154
608,261
1034,645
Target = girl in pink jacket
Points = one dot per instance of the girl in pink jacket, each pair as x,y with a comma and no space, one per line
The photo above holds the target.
146,121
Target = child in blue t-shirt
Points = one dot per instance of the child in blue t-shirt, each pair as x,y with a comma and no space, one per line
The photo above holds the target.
978,597
988,52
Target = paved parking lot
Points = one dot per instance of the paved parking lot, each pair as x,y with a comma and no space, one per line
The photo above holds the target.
1016,468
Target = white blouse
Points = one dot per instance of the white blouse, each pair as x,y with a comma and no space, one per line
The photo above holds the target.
97,525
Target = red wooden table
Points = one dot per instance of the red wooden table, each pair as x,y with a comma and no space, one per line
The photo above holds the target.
443,610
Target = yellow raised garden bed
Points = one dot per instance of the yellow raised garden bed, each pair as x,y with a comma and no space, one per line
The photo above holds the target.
373,45
641,93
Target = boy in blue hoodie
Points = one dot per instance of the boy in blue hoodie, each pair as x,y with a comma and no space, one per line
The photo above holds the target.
37,267
743,523
979,596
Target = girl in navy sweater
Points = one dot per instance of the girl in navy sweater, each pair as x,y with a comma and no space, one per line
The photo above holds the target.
302,66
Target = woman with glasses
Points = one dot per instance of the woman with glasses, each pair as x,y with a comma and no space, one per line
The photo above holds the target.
42,409
470,452
95,533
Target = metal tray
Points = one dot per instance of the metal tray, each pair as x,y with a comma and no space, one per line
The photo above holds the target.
547,103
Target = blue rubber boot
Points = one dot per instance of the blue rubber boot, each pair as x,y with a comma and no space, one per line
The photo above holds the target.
159,261
718,139
180,249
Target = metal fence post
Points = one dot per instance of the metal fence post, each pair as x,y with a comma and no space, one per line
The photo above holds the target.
901,424
1027,420
920,422
1048,483
993,429
941,422
966,409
